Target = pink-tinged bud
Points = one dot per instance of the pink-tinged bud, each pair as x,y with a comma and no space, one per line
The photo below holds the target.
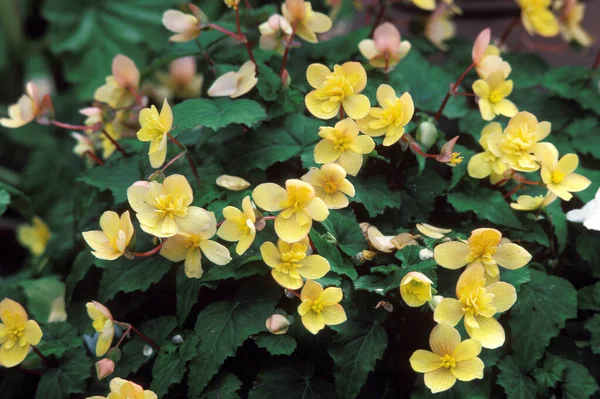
103,309
447,150
277,324
295,9
91,112
183,70
481,44
125,72
386,38
141,183
104,368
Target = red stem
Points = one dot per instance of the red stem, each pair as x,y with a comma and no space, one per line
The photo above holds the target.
387,62
452,90
500,182
342,115
244,39
514,190
149,253
596,61
138,99
142,336
74,127
415,147
286,53
167,165
94,157
125,334
115,143
247,3
44,359
294,293
525,181
461,94
188,156
225,31
513,24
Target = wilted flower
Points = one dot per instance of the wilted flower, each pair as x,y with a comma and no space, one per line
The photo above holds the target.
125,78
235,84
432,231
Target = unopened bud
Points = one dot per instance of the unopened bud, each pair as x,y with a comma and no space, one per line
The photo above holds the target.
148,351
277,324
177,339
425,254
427,134
104,368
435,301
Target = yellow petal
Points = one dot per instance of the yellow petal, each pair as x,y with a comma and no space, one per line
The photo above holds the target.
233,183
110,223
269,196
451,255
166,116
270,254
505,107
289,230
486,110
317,210
104,342
245,242
286,281
8,305
511,256
481,88
439,380
13,356
423,361
176,248
490,332
313,267
312,290
449,310
331,296
215,252
443,339
33,332
313,104
102,249
316,75
468,370
333,315
367,49
356,106
385,93
466,350
505,296
157,158
575,183
351,162
193,263
326,152
362,144
313,322
432,231
225,85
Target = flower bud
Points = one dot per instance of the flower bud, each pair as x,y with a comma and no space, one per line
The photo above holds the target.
386,38
177,339
427,134
148,351
434,302
277,324
415,289
104,368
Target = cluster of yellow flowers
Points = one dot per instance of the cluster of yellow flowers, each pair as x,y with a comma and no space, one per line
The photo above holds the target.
479,297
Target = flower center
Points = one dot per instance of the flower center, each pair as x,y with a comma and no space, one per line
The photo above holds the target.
495,96
476,301
194,240
317,305
557,176
16,332
484,252
518,140
342,143
330,187
169,204
392,112
336,87
448,361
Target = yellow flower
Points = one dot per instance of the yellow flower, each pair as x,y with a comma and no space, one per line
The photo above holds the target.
483,247
492,62
343,144
274,33
330,185
181,81
235,84
232,183
305,21
103,322
450,360
570,23
34,236
123,389
164,209
84,144
31,105
189,245
519,142
187,27
386,49
537,17
415,289
390,118
336,89
117,90
432,231
428,5
491,95
290,263
232,3
529,203
439,27
113,240
485,163
298,205
17,333
558,175
320,308
154,128
239,226
478,304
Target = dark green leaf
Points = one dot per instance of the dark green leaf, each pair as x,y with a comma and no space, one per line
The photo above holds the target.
281,344
550,374
593,326
578,382
169,368
116,176
574,82
284,381
487,204
516,383
342,224
68,378
331,253
126,275
223,386
374,194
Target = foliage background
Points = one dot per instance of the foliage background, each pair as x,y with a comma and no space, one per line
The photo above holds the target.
553,331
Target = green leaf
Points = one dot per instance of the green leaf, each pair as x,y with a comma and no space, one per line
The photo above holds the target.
331,253
528,69
223,386
550,374
374,194
558,220
574,82
116,176
224,326
586,245
81,265
124,275
188,291
40,294
281,344
487,204
359,343
516,383
545,303
335,50
68,378
588,298
392,276
460,170
284,381
4,200
516,277
269,83
593,326
578,382
58,339
262,148
169,368
216,113
419,195
342,224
